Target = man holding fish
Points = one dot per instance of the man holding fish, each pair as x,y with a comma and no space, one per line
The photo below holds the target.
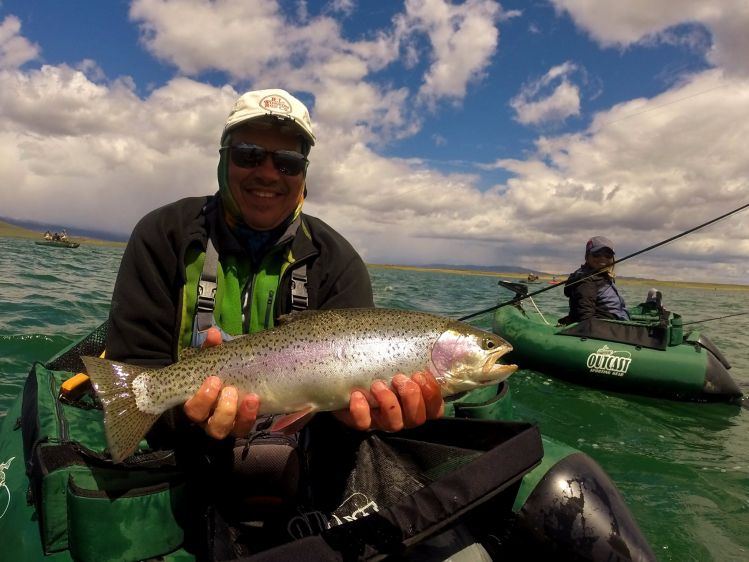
203,270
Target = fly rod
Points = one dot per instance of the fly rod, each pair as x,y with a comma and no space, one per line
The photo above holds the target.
712,319
666,241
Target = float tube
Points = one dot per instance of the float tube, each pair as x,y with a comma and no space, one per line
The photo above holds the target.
650,355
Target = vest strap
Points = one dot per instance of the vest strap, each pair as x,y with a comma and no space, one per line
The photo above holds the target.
207,288
299,294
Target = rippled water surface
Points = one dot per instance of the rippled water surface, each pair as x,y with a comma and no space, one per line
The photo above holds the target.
683,468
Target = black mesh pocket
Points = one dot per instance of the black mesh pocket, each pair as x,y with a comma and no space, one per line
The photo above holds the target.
70,359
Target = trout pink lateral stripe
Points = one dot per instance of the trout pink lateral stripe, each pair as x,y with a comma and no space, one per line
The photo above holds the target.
310,362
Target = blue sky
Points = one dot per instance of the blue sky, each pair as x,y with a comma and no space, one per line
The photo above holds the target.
473,132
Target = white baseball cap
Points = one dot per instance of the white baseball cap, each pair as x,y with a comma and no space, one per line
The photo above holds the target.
276,104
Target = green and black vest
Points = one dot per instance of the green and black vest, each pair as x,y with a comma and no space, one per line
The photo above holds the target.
230,294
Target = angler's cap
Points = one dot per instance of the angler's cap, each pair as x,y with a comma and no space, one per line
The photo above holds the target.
271,105
598,243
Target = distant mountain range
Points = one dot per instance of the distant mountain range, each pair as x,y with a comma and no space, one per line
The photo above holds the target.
72,230
493,268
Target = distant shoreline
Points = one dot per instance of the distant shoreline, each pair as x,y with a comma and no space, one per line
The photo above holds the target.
8,230
546,278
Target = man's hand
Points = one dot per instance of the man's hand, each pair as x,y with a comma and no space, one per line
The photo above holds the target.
409,403
217,408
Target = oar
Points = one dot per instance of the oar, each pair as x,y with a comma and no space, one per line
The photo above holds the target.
548,288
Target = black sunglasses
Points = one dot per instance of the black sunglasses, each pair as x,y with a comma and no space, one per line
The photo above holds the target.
602,253
288,162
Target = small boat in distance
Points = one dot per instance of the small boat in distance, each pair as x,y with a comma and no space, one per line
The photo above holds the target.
57,243
59,240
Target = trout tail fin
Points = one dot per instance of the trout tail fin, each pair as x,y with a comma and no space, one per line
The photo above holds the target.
124,424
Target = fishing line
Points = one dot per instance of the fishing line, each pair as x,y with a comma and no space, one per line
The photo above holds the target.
519,298
649,109
716,318
539,313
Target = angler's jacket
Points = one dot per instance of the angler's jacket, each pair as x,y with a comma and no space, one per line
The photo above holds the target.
152,305
594,297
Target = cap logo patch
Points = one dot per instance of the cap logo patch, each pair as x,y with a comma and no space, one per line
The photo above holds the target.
275,103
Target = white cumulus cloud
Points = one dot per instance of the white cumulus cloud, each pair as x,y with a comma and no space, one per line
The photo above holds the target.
615,23
15,50
551,98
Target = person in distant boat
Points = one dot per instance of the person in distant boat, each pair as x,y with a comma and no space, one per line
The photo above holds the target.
48,235
591,294
63,235
205,269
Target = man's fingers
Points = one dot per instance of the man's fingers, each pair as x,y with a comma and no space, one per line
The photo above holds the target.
412,402
388,416
409,403
246,415
212,338
199,407
358,414
219,411
221,422
431,393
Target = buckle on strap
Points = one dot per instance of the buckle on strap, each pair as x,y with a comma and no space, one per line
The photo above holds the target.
206,295
299,294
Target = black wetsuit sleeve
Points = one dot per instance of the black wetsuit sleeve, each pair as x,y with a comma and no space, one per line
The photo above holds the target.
338,277
143,312
351,289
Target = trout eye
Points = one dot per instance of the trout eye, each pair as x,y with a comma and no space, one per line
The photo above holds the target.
489,344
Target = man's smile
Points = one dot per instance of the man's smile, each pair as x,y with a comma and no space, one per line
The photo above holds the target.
263,194
263,191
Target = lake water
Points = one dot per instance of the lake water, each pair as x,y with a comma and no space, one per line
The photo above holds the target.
683,468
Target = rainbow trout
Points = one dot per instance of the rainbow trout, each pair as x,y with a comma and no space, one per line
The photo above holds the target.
310,362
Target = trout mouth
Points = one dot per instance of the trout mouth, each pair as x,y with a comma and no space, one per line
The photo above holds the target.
493,370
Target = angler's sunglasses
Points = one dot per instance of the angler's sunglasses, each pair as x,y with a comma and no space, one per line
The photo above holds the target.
287,162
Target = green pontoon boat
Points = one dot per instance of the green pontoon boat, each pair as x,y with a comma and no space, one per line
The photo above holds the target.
651,354
62,498
57,243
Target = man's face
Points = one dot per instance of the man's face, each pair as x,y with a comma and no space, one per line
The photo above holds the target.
263,194
600,258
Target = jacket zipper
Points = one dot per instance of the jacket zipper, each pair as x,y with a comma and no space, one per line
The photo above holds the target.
250,289
247,304
268,306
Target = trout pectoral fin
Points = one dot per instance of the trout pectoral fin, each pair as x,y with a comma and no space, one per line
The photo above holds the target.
291,423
